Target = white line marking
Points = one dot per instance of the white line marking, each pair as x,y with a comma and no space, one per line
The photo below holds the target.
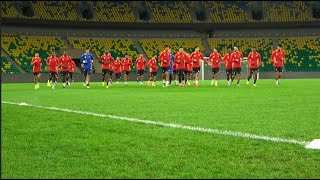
172,125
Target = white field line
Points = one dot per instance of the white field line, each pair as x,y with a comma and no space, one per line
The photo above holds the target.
172,125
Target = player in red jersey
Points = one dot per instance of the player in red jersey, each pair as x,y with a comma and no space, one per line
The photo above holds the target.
254,60
164,58
152,64
179,60
71,67
106,61
140,64
228,65
126,63
111,71
188,69
117,69
215,58
53,63
36,62
196,56
236,58
277,58
64,63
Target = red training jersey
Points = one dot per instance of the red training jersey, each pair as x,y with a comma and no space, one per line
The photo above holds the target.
254,59
227,61
117,66
71,66
164,59
140,63
152,64
277,57
53,63
126,63
196,57
236,58
179,60
189,64
37,63
215,59
64,62
107,61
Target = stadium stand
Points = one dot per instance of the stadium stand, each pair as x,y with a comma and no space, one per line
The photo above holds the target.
286,11
112,11
264,47
56,10
8,10
155,46
8,67
117,47
170,11
302,53
227,11
22,48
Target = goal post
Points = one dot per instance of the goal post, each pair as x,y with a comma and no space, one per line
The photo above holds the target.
206,69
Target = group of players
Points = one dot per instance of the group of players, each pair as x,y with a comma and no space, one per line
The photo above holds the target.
180,67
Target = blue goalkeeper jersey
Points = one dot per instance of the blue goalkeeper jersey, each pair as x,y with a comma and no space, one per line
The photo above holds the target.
171,63
86,60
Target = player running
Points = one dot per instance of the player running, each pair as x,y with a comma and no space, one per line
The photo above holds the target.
140,66
236,58
117,69
165,65
196,56
215,58
254,60
36,62
71,67
126,63
64,61
228,65
188,69
106,62
277,58
53,56
179,60
152,64
53,63
86,62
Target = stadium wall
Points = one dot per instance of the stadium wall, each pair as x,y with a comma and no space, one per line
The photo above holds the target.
96,77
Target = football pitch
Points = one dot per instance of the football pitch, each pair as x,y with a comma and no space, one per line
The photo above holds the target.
156,132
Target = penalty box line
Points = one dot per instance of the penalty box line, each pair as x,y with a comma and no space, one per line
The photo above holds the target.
172,125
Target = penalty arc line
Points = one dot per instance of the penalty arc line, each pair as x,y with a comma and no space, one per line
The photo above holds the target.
172,125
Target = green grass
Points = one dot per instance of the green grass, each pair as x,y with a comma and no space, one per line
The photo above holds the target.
40,143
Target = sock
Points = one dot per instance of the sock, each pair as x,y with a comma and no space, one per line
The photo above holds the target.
196,82
167,83
254,81
216,82
163,81
64,84
238,81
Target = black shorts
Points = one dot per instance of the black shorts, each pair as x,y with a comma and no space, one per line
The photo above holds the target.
36,73
188,73
111,72
196,69
118,75
140,72
165,69
251,70
127,73
174,71
278,69
229,71
152,74
236,71
105,71
215,70
64,73
53,74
